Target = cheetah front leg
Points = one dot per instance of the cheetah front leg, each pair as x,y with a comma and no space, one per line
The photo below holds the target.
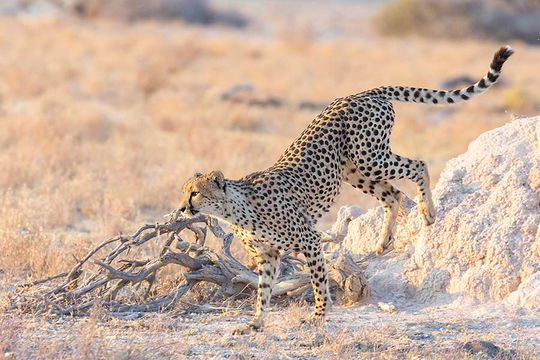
267,264
319,278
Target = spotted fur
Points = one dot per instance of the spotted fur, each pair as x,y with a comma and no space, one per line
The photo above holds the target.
277,209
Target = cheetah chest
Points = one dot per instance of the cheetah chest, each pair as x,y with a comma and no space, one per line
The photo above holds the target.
253,243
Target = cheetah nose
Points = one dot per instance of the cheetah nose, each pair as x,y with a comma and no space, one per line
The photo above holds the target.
183,209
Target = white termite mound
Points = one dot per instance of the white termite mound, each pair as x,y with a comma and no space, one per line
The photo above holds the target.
485,244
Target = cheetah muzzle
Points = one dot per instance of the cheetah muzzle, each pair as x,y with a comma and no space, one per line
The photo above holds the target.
276,209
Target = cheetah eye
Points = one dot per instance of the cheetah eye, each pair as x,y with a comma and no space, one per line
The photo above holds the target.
194,193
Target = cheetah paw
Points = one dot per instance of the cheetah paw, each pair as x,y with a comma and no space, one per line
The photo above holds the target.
380,249
428,215
246,329
384,245
429,218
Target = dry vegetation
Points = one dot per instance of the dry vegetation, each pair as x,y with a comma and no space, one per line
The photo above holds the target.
464,19
354,333
100,122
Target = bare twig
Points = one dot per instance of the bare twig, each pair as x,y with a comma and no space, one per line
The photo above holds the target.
41,281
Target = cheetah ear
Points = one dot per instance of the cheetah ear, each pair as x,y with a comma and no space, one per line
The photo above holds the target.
218,178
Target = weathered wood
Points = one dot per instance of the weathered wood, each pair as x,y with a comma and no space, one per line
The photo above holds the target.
348,276
82,288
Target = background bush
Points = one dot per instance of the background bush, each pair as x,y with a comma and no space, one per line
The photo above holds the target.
500,20
190,11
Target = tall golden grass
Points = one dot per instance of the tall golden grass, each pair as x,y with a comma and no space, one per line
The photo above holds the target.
101,122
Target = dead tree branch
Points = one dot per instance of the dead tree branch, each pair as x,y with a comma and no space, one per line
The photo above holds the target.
117,282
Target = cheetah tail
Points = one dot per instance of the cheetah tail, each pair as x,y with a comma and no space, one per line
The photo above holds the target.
412,94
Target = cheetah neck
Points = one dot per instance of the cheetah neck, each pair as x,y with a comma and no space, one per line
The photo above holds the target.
236,206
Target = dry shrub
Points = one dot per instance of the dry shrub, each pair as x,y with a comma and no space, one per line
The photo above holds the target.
191,11
461,19
518,100
26,248
412,16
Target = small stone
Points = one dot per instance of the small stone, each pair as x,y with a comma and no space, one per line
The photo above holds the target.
317,340
420,336
389,308
368,347
479,346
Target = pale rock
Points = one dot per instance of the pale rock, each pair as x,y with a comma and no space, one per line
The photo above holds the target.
484,246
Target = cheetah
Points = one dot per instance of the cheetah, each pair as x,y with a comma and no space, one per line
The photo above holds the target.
277,209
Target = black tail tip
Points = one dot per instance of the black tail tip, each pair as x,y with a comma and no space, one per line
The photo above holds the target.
500,57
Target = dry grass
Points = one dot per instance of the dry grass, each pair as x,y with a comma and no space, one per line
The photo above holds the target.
196,336
101,122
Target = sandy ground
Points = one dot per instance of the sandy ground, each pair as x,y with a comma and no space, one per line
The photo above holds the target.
360,331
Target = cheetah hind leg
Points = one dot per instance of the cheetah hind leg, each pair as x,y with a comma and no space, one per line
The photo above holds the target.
415,170
425,202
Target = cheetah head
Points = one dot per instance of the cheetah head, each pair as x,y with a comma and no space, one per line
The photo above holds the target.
204,194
